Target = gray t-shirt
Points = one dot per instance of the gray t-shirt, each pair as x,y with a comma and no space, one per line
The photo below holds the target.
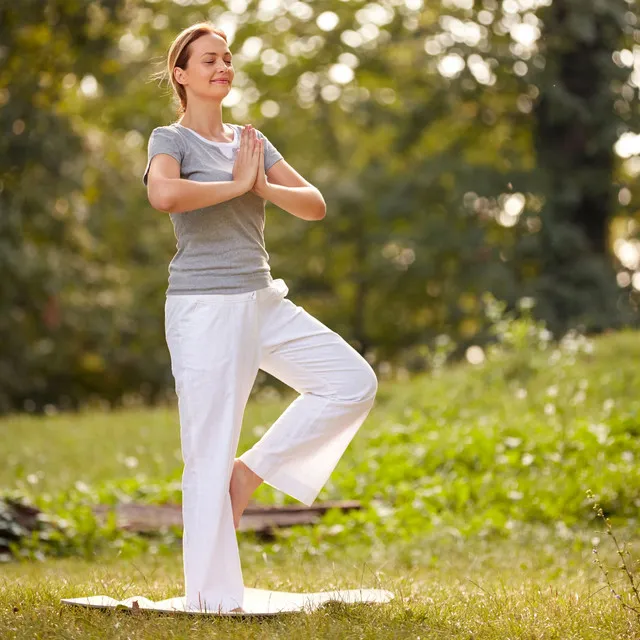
220,248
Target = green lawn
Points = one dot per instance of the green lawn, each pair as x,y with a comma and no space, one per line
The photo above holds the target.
53,453
478,590
473,481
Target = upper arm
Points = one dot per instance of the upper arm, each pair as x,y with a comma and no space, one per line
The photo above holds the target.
161,167
166,153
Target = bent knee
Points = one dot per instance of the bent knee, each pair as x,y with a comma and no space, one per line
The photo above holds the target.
363,386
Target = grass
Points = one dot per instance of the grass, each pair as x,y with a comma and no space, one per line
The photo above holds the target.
478,590
473,481
90,447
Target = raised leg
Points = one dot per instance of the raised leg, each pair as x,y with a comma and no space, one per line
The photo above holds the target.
337,389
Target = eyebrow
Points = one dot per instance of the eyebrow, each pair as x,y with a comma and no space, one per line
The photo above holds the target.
213,53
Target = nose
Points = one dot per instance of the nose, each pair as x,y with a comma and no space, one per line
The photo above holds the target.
221,64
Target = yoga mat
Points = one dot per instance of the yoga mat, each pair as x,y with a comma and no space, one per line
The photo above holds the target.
257,602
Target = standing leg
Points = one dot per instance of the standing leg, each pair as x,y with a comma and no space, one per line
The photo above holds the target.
213,341
337,388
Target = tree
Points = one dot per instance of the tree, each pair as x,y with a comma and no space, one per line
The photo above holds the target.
576,127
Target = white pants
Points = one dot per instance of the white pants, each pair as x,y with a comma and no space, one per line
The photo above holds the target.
217,344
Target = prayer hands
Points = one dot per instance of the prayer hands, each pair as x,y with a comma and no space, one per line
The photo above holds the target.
246,165
260,184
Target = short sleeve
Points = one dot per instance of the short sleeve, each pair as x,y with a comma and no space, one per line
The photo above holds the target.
271,154
163,140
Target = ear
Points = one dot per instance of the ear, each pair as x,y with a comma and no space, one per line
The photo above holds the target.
179,75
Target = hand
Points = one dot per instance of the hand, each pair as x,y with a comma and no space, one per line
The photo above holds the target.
245,166
260,185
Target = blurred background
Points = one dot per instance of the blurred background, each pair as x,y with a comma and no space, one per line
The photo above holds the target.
463,147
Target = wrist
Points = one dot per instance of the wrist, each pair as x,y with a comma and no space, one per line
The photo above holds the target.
264,190
243,186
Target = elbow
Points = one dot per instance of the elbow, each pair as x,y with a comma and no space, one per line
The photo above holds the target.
160,198
160,204
320,210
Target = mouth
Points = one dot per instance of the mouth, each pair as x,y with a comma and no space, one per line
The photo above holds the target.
219,82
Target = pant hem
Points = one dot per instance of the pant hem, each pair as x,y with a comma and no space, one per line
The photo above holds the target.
279,479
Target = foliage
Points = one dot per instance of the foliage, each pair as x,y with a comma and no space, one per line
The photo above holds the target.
441,162
66,304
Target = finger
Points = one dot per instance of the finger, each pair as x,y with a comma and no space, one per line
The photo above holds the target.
240,143
250,137
243,140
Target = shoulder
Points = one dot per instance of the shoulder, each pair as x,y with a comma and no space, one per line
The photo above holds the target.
169,135
168,130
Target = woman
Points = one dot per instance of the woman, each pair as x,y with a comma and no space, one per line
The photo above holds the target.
226,318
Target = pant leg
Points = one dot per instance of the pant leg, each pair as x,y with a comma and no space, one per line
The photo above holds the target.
213,342
337,388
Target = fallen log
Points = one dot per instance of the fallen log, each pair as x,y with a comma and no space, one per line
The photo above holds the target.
20,520
147,518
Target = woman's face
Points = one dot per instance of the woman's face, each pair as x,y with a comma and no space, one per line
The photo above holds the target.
209,71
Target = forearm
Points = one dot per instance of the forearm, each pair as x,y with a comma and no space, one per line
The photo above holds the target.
303,202
177,195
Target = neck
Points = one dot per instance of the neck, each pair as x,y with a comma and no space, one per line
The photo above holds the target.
205,118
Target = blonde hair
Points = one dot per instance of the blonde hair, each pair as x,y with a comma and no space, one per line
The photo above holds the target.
179,54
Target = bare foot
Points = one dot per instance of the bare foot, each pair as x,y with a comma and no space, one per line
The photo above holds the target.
243,483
